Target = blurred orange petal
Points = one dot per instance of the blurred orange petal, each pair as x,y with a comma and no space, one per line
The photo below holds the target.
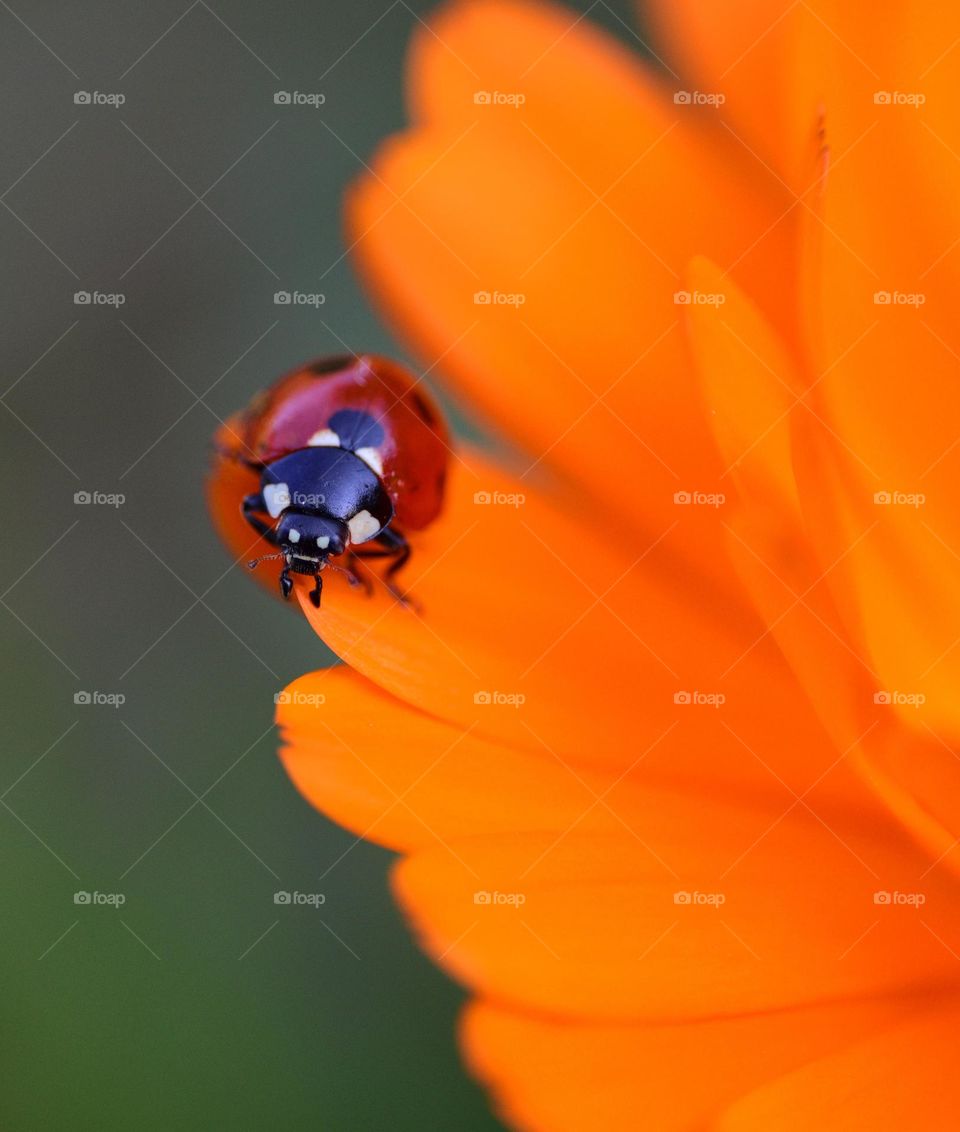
688,918
902,1078
565,1077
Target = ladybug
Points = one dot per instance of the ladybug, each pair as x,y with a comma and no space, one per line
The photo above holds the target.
343,456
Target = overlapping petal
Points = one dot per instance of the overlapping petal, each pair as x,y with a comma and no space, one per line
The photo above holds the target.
514,597
691,918
565,1077
585,202
900,1078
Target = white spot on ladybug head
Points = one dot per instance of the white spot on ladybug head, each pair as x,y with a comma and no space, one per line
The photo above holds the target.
323,541
276,496
325,438
363,526
371,457
293,535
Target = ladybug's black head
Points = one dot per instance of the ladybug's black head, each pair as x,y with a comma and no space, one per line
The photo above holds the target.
308,540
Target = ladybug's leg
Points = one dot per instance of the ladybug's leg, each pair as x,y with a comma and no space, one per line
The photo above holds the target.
392,545
395,542
254,502
286,582
353,575
317,590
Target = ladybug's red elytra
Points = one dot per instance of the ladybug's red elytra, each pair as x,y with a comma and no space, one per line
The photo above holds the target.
342,457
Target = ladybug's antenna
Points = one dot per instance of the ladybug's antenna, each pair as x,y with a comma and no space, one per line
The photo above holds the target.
255,562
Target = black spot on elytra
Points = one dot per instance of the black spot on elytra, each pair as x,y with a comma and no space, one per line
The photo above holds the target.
357,429
424,411
330,365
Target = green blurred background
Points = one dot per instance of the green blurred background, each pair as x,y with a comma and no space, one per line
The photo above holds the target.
198,1004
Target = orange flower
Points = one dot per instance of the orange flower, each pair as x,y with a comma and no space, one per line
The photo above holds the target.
668,755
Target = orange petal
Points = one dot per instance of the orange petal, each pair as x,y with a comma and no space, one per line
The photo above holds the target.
702,914
407,780
554,1076
747,54
881,292
589,372
777,64
755,392
761,423
404,779
902,1078
535,634
886,442
906,632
